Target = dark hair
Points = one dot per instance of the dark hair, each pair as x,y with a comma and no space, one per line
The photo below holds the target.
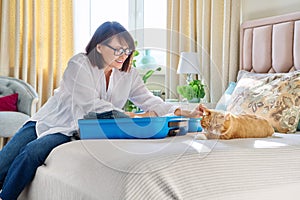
103,35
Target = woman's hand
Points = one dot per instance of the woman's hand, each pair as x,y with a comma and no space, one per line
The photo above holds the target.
201,108
195,113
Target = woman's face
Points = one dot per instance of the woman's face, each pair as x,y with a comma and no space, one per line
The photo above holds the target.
114,53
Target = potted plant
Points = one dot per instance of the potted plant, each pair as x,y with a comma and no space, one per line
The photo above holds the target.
193,91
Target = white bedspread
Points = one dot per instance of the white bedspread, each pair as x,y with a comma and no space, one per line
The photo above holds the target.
172,168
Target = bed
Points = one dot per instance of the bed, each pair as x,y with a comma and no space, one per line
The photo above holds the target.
186,167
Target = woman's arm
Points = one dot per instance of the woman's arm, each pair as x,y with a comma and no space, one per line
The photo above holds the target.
195,113
145,114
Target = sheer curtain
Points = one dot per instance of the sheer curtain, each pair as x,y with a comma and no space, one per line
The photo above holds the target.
36,41
210,28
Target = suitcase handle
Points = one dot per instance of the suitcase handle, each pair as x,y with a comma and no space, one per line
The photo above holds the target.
173,132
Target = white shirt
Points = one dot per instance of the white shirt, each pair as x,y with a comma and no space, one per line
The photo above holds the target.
83,90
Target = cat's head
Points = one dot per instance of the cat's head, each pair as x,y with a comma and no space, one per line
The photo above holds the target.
212,120
206,117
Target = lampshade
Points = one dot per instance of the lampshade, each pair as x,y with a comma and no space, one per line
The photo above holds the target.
188,63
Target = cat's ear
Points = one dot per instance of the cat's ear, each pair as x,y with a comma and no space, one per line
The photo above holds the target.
206,111
227,116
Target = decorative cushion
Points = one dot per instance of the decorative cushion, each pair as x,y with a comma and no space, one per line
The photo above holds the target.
226,97
275,97
9,103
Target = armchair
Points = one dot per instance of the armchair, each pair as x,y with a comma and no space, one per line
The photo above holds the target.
11,121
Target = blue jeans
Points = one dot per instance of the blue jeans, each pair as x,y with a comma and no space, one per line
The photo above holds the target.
21,156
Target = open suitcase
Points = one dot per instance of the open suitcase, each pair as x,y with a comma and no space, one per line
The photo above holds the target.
133,128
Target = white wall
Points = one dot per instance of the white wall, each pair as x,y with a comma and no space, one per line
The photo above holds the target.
253,9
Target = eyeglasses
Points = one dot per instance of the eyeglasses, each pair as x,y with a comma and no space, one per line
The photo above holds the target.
120,51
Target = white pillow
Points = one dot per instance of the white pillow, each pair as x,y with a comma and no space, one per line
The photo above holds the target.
226,97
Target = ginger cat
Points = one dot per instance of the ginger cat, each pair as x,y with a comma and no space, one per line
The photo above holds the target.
219,125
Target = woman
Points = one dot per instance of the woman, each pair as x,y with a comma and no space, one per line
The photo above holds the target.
98,81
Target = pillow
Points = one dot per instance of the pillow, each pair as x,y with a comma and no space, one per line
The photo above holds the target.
9,103
226,97
275,97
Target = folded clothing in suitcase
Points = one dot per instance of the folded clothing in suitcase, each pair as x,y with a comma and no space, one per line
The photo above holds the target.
112,114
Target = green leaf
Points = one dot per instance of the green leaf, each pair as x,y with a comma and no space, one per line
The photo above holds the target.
195,88
130,107
149,73
136,53
134,63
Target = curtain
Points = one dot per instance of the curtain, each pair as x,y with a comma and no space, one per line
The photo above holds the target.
36,41
210,28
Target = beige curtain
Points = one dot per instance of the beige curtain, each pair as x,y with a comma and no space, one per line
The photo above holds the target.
36,41
210,28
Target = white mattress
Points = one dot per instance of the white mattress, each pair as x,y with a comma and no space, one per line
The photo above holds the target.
172,168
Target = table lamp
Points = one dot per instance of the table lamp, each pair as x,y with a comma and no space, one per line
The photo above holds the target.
188,64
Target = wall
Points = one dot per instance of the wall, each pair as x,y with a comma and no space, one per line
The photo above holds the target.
250,9
253,9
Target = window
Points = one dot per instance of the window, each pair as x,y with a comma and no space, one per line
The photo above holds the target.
145,19
111,10
155,20
89,14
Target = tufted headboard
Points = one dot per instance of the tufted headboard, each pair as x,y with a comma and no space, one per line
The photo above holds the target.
271,45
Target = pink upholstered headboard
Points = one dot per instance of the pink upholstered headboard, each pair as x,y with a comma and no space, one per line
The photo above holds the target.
271,44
